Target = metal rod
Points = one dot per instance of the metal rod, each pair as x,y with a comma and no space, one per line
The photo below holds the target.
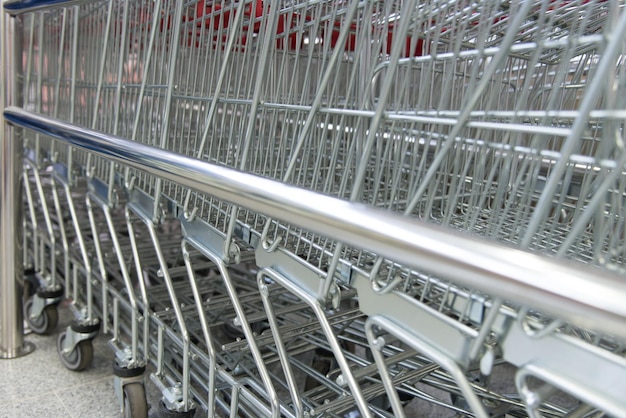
579,294
12,342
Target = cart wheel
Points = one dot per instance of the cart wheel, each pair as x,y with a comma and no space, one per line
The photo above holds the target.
231,330
166,413
46,322
135,404
79,358
30,283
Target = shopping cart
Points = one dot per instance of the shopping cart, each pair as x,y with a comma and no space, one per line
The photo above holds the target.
57,246
498,119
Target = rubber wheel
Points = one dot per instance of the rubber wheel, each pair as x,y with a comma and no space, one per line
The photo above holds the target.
51,292
126,372
166,413
45,323
85,328
79,358
135,404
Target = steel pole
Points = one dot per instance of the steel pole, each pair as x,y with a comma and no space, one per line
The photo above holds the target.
12,342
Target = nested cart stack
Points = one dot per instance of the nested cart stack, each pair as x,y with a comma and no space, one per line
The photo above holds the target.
332,208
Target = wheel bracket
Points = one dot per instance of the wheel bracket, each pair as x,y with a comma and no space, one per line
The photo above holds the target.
72,338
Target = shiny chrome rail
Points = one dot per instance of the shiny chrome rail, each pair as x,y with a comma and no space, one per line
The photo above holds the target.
586,297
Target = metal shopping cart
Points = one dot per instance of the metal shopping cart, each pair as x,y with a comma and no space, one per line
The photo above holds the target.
500,120
58,243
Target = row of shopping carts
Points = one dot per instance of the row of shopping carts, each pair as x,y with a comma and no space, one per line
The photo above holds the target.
498,119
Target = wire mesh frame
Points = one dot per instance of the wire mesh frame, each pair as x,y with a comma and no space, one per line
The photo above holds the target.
460,182
330,148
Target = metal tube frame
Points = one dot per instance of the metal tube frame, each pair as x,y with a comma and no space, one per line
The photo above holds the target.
12,342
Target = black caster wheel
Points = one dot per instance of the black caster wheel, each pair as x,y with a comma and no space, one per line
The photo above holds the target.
85,328
53,292
135,404
125,372
166,413
46,322
79,358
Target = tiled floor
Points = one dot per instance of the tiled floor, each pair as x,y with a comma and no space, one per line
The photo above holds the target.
38,385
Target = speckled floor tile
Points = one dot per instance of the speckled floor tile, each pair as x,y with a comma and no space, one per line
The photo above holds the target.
5,393
33,375
7,411
96,399
46,405
38,385
41,373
